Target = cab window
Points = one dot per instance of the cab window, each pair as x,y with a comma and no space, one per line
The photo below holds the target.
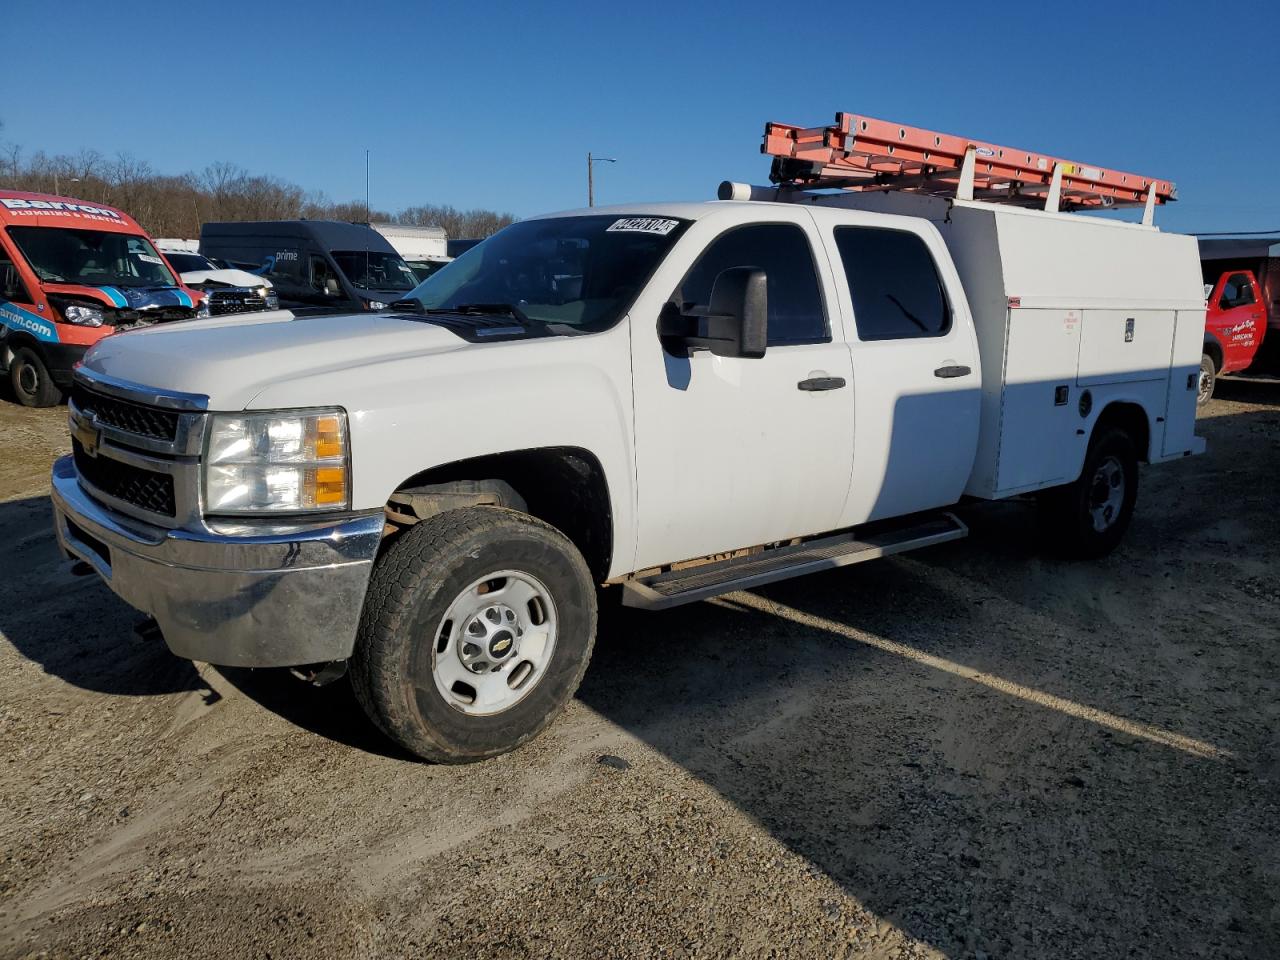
782,251
897,293
1237,291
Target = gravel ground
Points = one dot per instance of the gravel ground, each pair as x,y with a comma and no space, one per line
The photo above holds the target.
971,751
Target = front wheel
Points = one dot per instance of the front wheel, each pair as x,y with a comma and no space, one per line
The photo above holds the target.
30,379
475,634
1208,378
1087,519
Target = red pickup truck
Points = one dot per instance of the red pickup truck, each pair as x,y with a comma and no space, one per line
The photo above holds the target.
1242,294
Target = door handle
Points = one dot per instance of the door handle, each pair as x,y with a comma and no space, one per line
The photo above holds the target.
821,383
947,373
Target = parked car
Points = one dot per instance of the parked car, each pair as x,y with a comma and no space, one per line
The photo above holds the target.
314,265
674,400
1235,326
228,289
72,273
425,249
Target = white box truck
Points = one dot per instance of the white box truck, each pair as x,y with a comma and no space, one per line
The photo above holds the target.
673,400
424,249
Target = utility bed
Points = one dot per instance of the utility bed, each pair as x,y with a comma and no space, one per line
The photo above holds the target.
1069,310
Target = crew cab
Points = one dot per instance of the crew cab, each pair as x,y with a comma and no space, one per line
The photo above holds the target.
1235,326
70,274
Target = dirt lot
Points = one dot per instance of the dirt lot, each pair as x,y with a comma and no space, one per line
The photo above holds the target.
968,752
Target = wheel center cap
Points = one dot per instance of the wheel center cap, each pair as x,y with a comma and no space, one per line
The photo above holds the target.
489,638
501,644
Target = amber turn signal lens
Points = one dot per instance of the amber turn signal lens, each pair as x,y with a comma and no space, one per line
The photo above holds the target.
331,486
328,438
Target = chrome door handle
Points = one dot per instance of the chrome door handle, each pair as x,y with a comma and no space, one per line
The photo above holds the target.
821,383
947,373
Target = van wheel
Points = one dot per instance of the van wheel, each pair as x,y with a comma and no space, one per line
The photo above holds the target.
29,377
475,634
1087,519
1208,377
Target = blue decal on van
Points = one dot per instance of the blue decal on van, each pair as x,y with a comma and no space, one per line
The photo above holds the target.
18,318
117,298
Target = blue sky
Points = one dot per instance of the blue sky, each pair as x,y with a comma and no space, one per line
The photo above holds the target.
496,104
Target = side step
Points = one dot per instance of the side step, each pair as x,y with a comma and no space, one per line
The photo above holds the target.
674,587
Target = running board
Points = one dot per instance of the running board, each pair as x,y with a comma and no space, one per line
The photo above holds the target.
674,587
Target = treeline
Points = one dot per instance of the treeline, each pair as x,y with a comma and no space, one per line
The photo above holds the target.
175,206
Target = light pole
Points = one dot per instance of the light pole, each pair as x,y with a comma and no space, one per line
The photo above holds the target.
591,185
57,184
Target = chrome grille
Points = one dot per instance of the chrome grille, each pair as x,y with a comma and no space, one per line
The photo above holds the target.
124,415
222,302
144,489
137,450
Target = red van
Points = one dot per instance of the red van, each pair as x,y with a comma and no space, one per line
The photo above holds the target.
72,273
1235,325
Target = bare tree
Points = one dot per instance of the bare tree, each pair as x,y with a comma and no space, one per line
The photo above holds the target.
169,205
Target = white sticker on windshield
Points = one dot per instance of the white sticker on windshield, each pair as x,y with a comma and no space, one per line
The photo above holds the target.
644,225
148,258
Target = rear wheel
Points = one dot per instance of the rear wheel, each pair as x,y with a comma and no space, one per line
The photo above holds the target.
476,632
29,377
1208,377
1088,518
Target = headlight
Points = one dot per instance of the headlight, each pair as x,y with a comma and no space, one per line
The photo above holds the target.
82,314
269,298
375,305
202,308
277,462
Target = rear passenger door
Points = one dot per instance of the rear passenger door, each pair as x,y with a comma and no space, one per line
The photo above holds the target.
915,371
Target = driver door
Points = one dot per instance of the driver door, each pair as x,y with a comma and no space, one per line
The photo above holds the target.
734,452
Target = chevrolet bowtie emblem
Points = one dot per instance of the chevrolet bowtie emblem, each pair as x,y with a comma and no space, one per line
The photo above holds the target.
87,436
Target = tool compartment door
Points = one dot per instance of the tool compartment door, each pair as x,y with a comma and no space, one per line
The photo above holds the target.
1180,408
1039,445
1125,346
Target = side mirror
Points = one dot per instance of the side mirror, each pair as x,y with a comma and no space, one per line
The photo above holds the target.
331,287
735,323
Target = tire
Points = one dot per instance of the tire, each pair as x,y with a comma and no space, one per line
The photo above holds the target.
413,636
1208,378
30,380
1088,518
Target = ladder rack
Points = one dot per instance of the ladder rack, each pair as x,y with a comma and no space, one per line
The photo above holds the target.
863,154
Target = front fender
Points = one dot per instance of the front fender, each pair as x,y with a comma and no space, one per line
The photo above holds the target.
408,416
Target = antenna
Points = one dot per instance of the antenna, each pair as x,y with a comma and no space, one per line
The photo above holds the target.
368,217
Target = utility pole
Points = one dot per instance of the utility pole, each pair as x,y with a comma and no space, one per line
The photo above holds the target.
591,186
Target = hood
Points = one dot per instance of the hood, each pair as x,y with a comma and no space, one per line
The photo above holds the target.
227,278
231,360
129,298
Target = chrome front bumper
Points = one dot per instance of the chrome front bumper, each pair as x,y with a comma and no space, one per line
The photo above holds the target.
287,595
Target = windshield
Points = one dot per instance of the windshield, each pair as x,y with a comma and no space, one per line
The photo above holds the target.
372,270
92,257
582,272
189,262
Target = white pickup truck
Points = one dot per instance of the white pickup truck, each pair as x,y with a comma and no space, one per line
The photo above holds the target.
674,400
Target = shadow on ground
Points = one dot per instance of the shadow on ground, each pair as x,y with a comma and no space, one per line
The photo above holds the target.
74,627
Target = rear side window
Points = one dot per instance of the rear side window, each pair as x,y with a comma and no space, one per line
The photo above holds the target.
781,250
896,291
1237,291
